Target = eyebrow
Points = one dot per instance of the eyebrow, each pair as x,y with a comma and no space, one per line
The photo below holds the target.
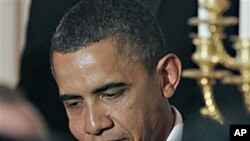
66,97
103,88
109,86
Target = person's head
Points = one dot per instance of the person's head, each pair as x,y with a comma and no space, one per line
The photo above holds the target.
19,119
113,72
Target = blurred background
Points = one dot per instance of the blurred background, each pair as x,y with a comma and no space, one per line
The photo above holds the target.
14,15
26,27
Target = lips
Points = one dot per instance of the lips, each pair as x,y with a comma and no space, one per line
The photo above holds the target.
122,139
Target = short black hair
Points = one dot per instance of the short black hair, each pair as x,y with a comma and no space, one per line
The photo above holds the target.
134,27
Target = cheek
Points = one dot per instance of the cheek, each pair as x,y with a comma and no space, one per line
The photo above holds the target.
131,117
75,129
141,113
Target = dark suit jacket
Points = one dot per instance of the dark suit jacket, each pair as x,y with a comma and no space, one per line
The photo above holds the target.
197,128
201,129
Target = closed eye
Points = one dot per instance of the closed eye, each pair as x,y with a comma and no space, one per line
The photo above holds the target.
71,100
74,104
113,95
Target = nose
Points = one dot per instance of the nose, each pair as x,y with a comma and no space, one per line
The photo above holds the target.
96,121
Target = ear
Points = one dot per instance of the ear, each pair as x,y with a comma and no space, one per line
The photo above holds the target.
169,70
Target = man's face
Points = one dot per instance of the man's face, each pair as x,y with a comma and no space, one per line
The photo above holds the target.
109,98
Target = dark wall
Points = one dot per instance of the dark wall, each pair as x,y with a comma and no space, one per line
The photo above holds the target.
35,75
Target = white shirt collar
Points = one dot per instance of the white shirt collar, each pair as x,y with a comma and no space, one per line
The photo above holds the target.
176,133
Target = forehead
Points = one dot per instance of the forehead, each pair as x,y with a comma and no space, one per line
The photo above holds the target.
90,54
101,55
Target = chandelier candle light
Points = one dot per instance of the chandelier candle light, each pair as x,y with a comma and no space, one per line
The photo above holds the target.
244,24
203,14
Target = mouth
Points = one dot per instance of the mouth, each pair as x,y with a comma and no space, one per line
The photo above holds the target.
122,139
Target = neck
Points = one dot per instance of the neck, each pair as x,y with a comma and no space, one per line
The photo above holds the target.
167,126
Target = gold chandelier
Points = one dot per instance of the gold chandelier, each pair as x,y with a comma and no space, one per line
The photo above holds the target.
210,52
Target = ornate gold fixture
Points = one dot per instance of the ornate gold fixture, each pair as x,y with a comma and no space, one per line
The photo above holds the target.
210,52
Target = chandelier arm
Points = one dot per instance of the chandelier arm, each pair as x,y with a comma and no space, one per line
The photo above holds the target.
224,58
